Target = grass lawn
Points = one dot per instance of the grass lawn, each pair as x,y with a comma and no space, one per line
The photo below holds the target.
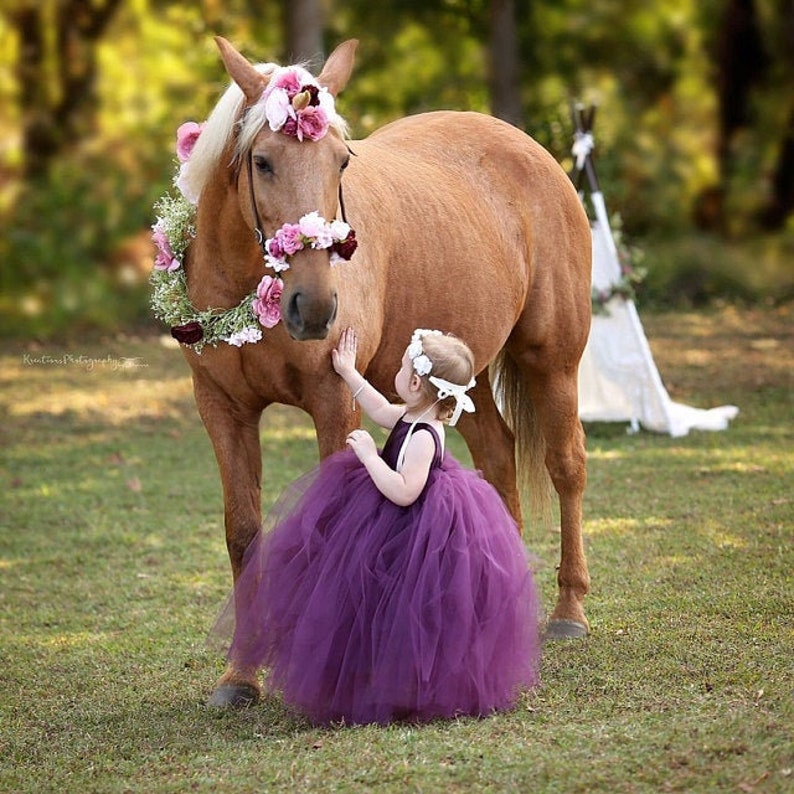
113,566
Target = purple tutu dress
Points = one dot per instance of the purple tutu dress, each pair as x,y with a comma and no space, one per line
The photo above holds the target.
363,611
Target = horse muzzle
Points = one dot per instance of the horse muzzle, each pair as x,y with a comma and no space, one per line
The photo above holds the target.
308,318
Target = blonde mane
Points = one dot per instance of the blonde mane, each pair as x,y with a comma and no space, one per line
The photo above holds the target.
219,130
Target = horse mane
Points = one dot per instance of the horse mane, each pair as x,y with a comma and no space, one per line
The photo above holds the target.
219,129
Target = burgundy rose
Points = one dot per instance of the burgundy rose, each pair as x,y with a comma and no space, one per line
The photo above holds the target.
347,247
188,334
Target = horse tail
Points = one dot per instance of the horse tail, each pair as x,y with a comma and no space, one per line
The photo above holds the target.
518,410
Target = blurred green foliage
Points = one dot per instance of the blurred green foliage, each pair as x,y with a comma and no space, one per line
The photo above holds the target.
74,249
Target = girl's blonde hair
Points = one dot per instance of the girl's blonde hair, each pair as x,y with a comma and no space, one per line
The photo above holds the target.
453,361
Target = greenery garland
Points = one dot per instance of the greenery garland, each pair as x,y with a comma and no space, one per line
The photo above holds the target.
173,232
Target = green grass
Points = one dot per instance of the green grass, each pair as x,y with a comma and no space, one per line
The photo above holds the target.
113,566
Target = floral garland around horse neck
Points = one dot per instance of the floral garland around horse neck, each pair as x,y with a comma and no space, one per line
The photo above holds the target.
174,229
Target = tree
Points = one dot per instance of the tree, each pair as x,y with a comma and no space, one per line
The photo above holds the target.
56,78
742,62
781,200
303,29
503,78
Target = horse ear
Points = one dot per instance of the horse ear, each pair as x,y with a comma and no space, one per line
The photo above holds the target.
338,67
241,71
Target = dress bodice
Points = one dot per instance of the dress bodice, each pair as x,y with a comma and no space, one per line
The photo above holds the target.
391,449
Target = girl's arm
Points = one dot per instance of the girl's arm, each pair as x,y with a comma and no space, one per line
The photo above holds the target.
372,402
401,487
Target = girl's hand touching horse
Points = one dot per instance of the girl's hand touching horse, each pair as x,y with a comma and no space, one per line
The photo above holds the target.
344,355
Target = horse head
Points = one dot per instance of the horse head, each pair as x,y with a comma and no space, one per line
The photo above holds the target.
290,154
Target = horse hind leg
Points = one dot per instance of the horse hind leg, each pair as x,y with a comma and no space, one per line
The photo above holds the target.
544,412
556,403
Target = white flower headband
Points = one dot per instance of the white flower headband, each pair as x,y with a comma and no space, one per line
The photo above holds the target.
424,366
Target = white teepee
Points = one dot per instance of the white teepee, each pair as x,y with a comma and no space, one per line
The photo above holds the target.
618,379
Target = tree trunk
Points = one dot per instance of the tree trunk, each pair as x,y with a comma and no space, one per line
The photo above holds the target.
741,64
781,202
503,77
53,119
303,28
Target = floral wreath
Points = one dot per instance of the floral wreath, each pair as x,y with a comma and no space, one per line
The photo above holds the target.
424,366
295,104
175,227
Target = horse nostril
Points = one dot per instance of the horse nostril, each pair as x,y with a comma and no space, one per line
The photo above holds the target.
332,318
294,312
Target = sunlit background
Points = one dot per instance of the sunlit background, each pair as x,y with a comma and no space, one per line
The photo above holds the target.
694,127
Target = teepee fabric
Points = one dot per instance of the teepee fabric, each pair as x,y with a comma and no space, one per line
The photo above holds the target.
618,379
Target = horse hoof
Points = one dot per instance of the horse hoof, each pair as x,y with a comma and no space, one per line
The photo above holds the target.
237,696
561,629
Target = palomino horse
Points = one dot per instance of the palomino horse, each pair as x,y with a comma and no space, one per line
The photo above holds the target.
465,224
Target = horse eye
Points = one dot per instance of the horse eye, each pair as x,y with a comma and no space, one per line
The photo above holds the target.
345,164
263,165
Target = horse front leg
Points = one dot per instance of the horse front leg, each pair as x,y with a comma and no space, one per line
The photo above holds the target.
333,413
233,429
555,397
492,446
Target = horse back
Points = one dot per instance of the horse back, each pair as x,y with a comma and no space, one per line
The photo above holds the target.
473,227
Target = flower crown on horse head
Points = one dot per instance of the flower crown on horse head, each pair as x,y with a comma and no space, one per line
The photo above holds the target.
296,104
292,103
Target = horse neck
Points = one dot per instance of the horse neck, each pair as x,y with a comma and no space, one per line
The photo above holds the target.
225,261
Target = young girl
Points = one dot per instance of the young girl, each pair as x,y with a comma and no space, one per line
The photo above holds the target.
394,586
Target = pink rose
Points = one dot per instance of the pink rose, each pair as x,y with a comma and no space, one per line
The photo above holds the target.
186,137
315,227
274,248
165,259
289,238
289,80
313,123
267,304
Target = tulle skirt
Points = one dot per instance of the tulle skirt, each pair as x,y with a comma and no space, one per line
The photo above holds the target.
363,611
